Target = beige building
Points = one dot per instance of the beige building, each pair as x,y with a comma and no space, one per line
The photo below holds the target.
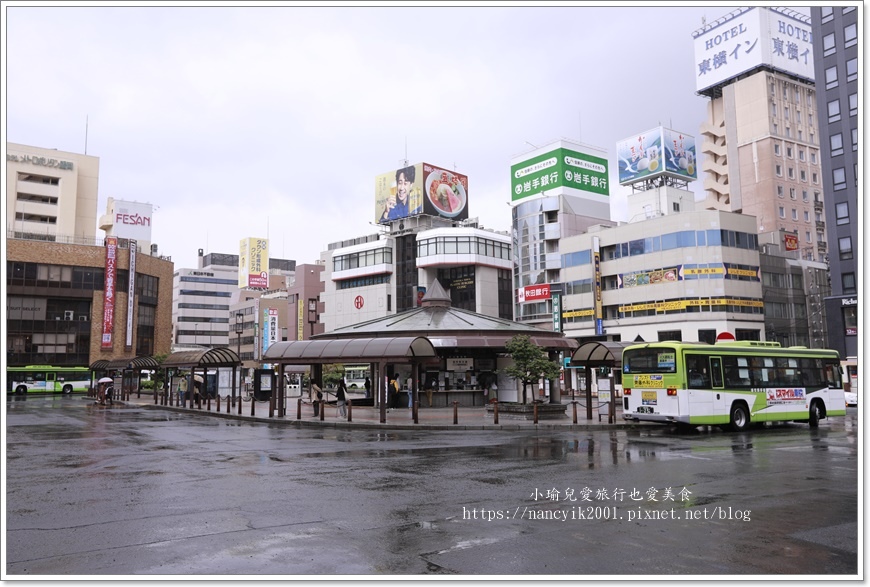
51,195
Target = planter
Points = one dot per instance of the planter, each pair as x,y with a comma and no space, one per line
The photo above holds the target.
513,411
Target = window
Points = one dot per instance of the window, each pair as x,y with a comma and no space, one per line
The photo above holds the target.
850,34
801,155
773,109
782,211
853,104
833,111
829,44
855,140
791,172
810,118
803,175
776,149
778,170
806,215
797,116
813,157
808,238
806,196
794,214
839,175
786,115
836,144
831,81
815,177
792,193
780,191
852,70
845,244
827,14
789,153
842,210
784,91
848,280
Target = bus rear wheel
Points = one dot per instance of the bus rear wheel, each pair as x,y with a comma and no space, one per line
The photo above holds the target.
67,389
815,414
20,390
739,417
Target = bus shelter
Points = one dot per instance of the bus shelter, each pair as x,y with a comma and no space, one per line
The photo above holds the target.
130,369
594,354
413,350
198,362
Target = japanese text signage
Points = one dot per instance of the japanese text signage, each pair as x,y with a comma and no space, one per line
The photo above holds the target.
533,293
254,263
559,168
656,152
749,38
109,292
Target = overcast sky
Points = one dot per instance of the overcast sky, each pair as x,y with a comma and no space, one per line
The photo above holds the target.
274,121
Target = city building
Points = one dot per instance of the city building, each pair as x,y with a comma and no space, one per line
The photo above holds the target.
203,296
425,235
51,195
761,139
73,298
835,41
557,191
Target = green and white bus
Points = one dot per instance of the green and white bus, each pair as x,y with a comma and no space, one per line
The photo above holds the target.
730,383
47,379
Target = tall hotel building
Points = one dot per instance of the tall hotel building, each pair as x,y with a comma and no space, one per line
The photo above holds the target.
835,41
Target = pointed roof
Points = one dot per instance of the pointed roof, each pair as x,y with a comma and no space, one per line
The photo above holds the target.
446,326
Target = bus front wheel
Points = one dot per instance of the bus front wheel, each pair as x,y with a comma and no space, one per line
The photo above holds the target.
21,390
739,417
815,414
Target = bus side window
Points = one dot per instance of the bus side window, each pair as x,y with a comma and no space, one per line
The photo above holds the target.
716,371
698,371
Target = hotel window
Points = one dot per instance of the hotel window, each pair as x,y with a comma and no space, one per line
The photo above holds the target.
831,80
813,157
852,70
797,116
803,175
849,283
778,169
806,196
792,193
784,91
789,153
776,149
780,191
794,214
815,177
839,175
809,237
786,113
851,35
845,244
842,213
853,104
806,215
827,14
833,111
836,144
801,155
854,139
810,118
820,237
791,172
829,44
782,212
773,109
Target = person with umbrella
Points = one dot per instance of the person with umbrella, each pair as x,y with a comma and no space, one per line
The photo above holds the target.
104,384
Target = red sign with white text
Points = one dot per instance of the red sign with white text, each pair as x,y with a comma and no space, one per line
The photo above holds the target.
109,292
531,293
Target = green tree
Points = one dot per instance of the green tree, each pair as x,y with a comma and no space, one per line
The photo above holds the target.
332,374
530,362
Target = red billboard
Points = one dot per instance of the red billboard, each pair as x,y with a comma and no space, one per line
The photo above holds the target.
533,293
791,242
109,292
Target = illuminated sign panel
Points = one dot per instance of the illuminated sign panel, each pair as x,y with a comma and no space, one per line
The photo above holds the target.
559,168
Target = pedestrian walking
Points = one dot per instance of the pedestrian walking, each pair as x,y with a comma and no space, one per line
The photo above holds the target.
368,386
341,398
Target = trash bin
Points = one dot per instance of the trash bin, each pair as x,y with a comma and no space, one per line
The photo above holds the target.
316,405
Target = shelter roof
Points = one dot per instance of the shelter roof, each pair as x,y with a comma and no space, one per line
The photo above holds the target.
127,363
600,353
332,351
211,357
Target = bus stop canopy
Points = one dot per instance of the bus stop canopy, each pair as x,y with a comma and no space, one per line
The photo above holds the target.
212,357
600,353
334,351
128,363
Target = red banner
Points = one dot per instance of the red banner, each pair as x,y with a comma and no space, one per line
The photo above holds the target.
791,242
109,292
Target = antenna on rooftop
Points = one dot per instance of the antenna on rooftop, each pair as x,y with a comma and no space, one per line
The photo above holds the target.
86,134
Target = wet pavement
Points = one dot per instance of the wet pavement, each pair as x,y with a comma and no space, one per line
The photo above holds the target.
461,418
138,491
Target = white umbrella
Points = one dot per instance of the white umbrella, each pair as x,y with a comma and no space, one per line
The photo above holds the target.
106,380
197,378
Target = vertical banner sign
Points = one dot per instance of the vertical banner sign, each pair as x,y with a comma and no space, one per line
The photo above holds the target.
596,263
300,316
131,291
257,354
557,312
109,292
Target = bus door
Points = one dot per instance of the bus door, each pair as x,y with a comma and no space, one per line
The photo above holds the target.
49,381
718,384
